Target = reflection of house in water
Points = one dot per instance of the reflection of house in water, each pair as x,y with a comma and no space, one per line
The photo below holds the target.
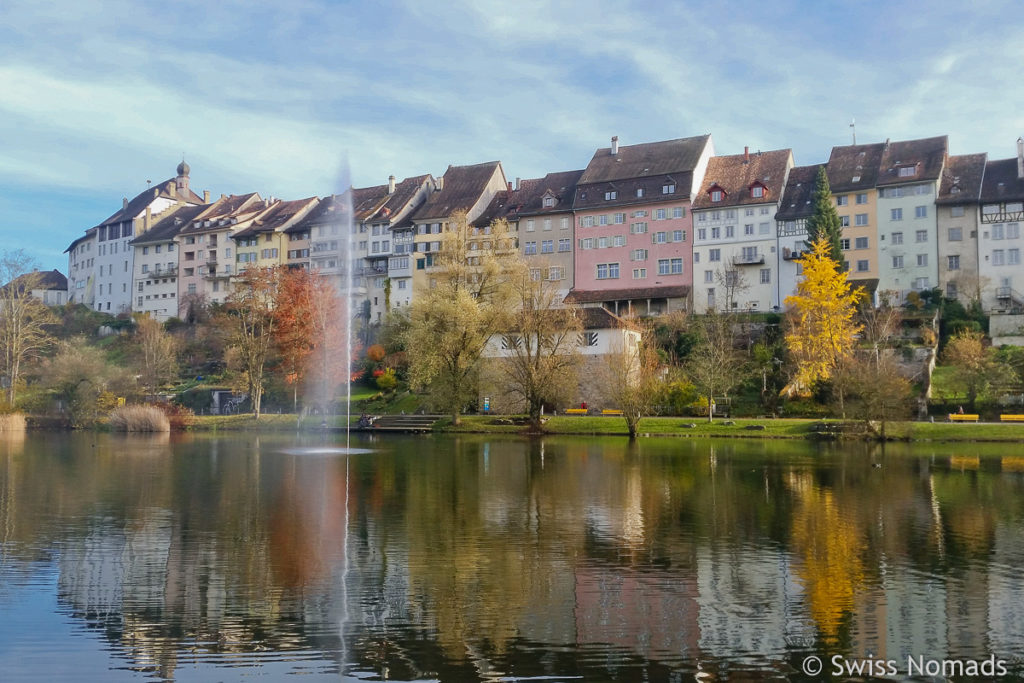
751,602
1006,592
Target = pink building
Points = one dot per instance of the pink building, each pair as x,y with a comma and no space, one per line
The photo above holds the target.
634,230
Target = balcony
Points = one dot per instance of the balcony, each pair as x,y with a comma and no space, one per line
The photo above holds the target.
748,260
791,254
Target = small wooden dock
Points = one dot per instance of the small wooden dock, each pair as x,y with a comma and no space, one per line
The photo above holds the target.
409,424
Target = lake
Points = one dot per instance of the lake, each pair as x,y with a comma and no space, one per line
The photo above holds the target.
439,558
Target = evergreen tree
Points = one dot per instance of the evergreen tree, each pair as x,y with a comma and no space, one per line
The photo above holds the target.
824,222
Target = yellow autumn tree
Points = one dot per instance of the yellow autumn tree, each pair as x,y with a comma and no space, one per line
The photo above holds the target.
822,328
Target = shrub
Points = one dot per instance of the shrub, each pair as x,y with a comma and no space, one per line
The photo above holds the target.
12,422
139,419
386,381
180,417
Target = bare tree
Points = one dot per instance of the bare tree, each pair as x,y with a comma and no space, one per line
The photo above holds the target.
630,377
23,318
878,393
880,323
714,365
157,354
251,324
733,282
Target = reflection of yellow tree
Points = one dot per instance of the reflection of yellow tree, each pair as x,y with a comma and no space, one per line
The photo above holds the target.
829,545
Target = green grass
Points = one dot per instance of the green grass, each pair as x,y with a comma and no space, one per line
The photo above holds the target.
589,424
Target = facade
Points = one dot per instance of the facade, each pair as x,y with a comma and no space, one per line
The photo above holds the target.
852,175
263,242
908,183
957,214
51,287
634,228
735,265
206,261
999,242
791,227
81,263
542,217
155,263
462,188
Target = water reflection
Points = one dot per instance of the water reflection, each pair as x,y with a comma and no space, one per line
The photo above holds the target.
477,559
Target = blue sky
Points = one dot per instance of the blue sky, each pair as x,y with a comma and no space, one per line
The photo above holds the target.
98,97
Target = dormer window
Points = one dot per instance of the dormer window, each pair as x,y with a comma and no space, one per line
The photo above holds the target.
668,188
549,201
757,190
610,195
639,192
906,171
717,195
856,178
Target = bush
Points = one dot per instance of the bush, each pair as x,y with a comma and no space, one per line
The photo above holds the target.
12,422
180,417
139,419
386,381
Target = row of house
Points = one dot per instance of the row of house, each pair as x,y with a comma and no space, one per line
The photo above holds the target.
642,230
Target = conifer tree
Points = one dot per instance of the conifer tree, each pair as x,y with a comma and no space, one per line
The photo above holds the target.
824,222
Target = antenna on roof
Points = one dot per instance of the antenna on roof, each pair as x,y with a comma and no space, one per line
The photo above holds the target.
148,182
853,125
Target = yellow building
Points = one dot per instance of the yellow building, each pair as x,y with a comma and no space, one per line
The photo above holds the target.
264,242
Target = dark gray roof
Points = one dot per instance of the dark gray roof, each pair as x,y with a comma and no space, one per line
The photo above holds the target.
854,161
497,209
630,294
48,280
529,199
236,206
601,319
961,179
462,187
1001,183
927,156
799,193
170,223
139,203
737,173
275,216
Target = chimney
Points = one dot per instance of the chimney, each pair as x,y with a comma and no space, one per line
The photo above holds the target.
517,184
124,203
149,219
439,184
746,154
510,186
172,190
391,184
615,145
1020,157
206,196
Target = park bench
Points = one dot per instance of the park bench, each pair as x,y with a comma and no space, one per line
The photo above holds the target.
1011,418
611,411
962,417
575,411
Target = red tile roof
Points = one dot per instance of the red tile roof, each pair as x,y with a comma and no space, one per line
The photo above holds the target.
737,173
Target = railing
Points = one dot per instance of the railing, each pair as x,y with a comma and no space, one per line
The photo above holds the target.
790,254
755,260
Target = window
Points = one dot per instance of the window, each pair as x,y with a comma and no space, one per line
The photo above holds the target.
951,292
678,235
860,219
639,192
668,188
956,234
920,212
922,259
660,214
565,245
610,195
602,220
145,250
619,240
921,283
862,197
602,242
716,233
701,217
766,276
547,247
1012,231
861,243
907,171
670,266
897,261
757,191
640,214
997,231
677,266
709,276
1013,257
547,224
730,231
896,214
663,267
921,236
638,228
678,212
715,255
844,221
607,271
530,248
953,262
897,238
998,257
618,219
862,266
585,222
638,255
716,195
588,339
535,274
145,268
842,200
748,229
587,243
565,223
749,254
659,237
696,257
549,201
702,234
639,273
956,211
763,228
844,244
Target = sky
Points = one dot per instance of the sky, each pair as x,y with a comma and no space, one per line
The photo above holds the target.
96,98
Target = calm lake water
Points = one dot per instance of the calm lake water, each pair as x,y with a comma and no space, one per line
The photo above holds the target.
196,558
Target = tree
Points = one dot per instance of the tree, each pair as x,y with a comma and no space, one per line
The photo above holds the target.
714,365
157,354
451,322
878,392
23,318
251,324
630,377
824,222
822,331
541,346
733,283
880,323
80,376
976,365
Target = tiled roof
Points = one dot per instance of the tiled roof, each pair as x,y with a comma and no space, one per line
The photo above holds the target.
1001,183
49,280
139,203
170,223
927,156
498,208
854,161
529,200
601,319
236,206
647,166
89,234
737,173
631,294
961,179
798,195
367,201
276,216
404,193
463,186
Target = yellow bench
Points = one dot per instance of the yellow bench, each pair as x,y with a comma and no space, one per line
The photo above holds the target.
960,417
575,411
1011,418
611,411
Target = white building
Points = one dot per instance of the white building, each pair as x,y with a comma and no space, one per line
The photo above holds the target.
999,241
957,213
155,270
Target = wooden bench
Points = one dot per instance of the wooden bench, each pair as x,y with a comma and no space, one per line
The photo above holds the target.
611,411
575,411
961,417
1011,418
